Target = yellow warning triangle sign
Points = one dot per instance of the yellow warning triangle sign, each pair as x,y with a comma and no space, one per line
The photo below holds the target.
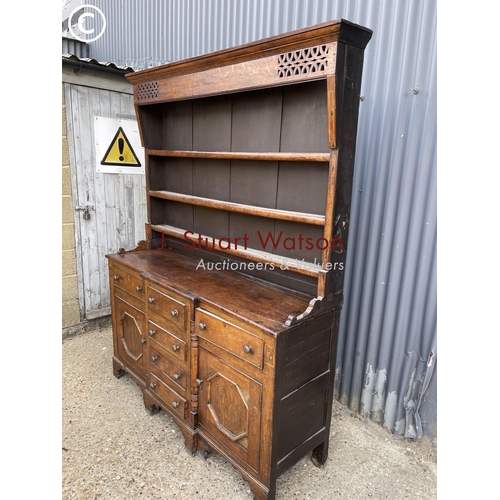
120,152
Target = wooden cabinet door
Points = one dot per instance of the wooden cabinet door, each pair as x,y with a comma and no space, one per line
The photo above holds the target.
230,408
130,336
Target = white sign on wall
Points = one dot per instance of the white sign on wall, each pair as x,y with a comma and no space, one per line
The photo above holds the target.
118,146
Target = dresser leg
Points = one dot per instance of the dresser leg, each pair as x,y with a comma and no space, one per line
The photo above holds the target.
190,440
259,493
204,450
153,410
150,403
320,455
118,370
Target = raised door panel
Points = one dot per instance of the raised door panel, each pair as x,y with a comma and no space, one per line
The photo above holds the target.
230,409
130,339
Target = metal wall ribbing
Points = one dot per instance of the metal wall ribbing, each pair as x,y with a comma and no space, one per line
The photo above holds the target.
387,344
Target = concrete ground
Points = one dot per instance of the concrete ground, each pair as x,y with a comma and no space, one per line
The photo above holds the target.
113,449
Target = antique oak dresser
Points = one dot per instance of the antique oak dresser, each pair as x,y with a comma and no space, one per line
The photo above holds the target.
227,314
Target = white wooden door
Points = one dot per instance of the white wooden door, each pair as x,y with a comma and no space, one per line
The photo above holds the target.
117,201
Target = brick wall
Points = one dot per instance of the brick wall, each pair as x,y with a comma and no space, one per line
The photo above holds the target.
70,307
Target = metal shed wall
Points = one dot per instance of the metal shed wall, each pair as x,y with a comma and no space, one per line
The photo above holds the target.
387,345
74,47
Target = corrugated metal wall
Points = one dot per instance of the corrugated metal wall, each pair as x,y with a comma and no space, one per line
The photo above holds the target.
74,47
387,345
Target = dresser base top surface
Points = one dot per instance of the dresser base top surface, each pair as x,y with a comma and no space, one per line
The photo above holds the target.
265,305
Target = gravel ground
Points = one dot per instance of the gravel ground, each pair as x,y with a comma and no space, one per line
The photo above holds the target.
114,449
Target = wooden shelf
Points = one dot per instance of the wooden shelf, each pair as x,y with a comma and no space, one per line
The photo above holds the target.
226,155
298,266
271,213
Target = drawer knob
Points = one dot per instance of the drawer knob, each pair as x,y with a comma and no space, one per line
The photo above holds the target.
175,348
116,277
175,313
177,376
199,382
247,349
152,385
138,288
154,358
175,404
202,326
143,341
151,300
152,332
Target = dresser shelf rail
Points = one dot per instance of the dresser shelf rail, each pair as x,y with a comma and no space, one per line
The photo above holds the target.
259,256
226,155
271,213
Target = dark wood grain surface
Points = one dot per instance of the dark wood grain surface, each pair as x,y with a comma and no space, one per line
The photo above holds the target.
263,304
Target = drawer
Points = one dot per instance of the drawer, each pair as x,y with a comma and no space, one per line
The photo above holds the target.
128,282
129,298
167,310
175,403
170,372
170,343
232,338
